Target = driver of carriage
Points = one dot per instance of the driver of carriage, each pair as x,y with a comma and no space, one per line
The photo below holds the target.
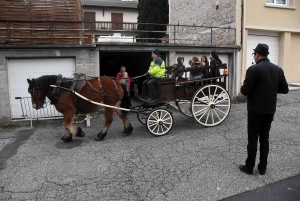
155,72
199,74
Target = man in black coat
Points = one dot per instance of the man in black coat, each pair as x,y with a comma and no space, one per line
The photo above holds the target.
262,83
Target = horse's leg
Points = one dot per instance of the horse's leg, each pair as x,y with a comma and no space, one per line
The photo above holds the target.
127,125
108,119
69,128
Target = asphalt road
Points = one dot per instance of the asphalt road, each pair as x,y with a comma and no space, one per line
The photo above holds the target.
190,163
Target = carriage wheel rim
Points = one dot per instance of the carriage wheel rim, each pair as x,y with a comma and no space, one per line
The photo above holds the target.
143,114
212,108
159,122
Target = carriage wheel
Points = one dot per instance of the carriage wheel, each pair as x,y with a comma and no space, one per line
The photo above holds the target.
143,114
159,122
184,106
211,105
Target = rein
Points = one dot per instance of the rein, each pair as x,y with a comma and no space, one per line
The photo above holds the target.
89,100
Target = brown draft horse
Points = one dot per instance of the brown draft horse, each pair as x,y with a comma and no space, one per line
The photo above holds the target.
103,90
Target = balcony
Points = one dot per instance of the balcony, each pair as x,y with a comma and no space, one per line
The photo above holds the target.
86,32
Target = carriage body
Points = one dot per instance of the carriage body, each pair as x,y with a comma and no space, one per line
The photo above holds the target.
206,100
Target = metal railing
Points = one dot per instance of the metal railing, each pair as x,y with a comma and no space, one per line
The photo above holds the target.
79,32
28,112
48,112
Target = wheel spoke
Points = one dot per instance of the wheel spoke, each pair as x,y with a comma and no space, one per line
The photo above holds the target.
215,91
219,95
221,101
221,111
152,123
209,94
205,96
207,117
202,101
153,120
203,114
200,111
158,115
164,116
168,118
165,126
168,123
217,114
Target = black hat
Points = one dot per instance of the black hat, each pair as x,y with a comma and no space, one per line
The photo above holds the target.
262,49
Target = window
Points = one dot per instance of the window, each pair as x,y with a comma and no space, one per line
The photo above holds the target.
278,2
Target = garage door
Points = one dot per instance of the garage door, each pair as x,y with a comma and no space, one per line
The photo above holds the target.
271,39
19,70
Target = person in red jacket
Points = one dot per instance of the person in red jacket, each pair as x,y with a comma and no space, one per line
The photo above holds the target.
124,78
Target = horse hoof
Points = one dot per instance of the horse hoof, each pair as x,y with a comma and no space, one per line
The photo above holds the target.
66,139
80,133
126,134
100,136
128,130
98,139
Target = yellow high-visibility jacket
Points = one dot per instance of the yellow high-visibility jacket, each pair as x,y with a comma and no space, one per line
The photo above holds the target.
157,68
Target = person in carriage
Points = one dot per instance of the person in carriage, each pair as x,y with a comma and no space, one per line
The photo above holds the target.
204,60
199,74
155,72
175,74
214,60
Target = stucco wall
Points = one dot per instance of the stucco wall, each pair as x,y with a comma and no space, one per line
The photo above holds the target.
282,20
204,14
294,62
85,63
268,17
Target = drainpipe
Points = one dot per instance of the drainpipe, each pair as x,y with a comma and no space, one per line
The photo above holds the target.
242,24
241,74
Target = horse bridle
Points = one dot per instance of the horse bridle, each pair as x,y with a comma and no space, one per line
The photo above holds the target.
31,92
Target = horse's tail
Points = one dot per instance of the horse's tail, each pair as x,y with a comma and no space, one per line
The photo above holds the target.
126,102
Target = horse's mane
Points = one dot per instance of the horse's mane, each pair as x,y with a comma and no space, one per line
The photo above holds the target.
45,81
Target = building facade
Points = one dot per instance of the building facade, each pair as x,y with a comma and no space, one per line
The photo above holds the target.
276,23
195,29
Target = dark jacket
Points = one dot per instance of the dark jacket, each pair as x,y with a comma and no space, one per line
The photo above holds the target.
262,83
199,74
178,66
213,62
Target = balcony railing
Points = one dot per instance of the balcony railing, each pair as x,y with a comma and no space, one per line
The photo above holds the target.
86,32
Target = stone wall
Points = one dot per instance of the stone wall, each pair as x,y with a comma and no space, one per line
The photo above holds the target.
202,15
85,63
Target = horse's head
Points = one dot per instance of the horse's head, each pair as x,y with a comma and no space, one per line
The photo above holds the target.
38,98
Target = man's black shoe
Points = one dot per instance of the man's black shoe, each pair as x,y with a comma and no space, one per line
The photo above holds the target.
244,169
261,172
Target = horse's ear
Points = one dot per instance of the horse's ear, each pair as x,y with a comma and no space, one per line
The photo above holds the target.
28,80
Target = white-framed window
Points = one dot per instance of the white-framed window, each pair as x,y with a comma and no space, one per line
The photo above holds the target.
278,2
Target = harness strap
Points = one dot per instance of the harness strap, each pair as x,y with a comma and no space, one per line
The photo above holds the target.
55,93
102,93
